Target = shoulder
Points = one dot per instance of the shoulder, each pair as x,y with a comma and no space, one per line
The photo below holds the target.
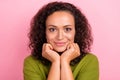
87,68
91,56
34,69
32,64
90,60
31,61
30,58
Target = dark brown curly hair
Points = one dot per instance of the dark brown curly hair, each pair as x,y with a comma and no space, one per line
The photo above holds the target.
37,34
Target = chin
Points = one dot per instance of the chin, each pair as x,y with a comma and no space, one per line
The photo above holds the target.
60,50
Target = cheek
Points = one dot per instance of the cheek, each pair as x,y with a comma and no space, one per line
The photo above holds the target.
49,37
70,37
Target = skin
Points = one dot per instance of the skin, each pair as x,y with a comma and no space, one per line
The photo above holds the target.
60,33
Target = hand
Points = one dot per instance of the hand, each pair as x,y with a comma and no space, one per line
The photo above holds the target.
48,53
72,52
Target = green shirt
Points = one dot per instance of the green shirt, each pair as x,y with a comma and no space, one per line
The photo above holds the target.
86,69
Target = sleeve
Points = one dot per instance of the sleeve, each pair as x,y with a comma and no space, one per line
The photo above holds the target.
31,70
90,70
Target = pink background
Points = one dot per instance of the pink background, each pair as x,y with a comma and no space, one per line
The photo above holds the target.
15,16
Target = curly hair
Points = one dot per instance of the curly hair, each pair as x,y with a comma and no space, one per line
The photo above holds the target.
37,34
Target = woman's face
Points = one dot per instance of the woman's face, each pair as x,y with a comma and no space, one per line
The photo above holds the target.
60,30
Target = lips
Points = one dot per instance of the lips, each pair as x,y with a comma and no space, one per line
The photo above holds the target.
60,43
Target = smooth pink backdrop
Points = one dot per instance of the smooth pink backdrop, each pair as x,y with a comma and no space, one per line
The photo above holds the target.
15,16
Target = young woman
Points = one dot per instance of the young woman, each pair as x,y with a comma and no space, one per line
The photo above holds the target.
60,40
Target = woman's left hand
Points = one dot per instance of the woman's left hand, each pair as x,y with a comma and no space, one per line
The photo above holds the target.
72,52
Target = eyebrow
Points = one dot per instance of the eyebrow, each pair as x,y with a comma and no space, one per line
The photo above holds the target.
56,26
52,25
67,25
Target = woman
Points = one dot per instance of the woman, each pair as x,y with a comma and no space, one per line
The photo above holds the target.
60,40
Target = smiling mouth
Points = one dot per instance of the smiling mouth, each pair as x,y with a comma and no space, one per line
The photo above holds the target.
60,43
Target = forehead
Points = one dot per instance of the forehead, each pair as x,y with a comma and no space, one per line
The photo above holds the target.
60,13
60,17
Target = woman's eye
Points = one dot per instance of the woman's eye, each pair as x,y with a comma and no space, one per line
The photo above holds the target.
68,29
51,29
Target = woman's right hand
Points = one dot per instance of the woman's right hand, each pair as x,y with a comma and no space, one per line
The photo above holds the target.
49,53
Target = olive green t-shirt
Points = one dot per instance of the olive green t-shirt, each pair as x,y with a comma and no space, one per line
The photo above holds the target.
86,69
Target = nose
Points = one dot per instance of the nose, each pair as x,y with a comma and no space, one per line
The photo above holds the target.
60,35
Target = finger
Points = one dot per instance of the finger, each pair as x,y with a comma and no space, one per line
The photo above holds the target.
74,45
49,46
43,50
68,46
43,47
77,48
71,46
